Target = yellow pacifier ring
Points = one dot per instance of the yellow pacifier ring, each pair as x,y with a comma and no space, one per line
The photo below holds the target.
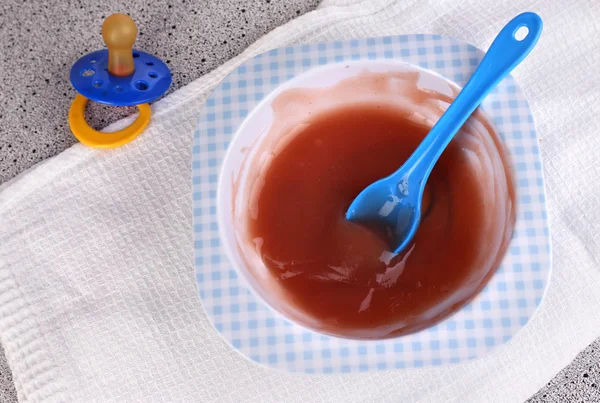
93,138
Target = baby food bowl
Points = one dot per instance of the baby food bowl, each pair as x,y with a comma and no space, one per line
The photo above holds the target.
237,302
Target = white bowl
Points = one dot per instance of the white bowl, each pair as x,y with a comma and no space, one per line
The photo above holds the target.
250,143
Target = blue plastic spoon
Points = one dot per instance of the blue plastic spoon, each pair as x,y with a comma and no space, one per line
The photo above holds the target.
396,199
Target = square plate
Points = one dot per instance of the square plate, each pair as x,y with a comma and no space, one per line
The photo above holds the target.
504,306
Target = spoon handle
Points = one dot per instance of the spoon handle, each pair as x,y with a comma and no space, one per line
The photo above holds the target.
505,53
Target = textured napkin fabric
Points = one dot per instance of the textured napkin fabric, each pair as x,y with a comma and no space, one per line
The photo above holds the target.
97,294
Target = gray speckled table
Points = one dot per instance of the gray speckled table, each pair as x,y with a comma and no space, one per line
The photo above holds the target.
40,40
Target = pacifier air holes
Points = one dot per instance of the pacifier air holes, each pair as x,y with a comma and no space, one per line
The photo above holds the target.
150,63
98,83
152,74
118,88
141,85
88,72
521,33
136,55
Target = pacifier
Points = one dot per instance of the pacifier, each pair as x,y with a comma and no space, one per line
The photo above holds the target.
117,76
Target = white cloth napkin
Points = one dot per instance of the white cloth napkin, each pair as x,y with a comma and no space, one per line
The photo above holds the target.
97,294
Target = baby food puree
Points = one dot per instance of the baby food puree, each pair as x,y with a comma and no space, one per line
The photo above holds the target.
340,277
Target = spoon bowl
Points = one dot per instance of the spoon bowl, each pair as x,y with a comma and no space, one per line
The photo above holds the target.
395,203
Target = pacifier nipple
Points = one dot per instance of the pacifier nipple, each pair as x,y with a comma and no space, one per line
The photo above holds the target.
119,32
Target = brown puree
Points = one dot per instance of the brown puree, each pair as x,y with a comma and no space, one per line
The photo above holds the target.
339,277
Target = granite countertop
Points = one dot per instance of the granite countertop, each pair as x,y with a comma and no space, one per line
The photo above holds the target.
40,41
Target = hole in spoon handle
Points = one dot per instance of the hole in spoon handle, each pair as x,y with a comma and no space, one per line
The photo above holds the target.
517,38
512,44
521,33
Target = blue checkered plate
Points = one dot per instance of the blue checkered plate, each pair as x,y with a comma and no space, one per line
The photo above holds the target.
260,334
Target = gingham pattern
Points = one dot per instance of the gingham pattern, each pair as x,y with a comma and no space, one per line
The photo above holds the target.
501,309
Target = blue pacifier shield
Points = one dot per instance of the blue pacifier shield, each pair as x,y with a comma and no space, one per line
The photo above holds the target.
150,80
